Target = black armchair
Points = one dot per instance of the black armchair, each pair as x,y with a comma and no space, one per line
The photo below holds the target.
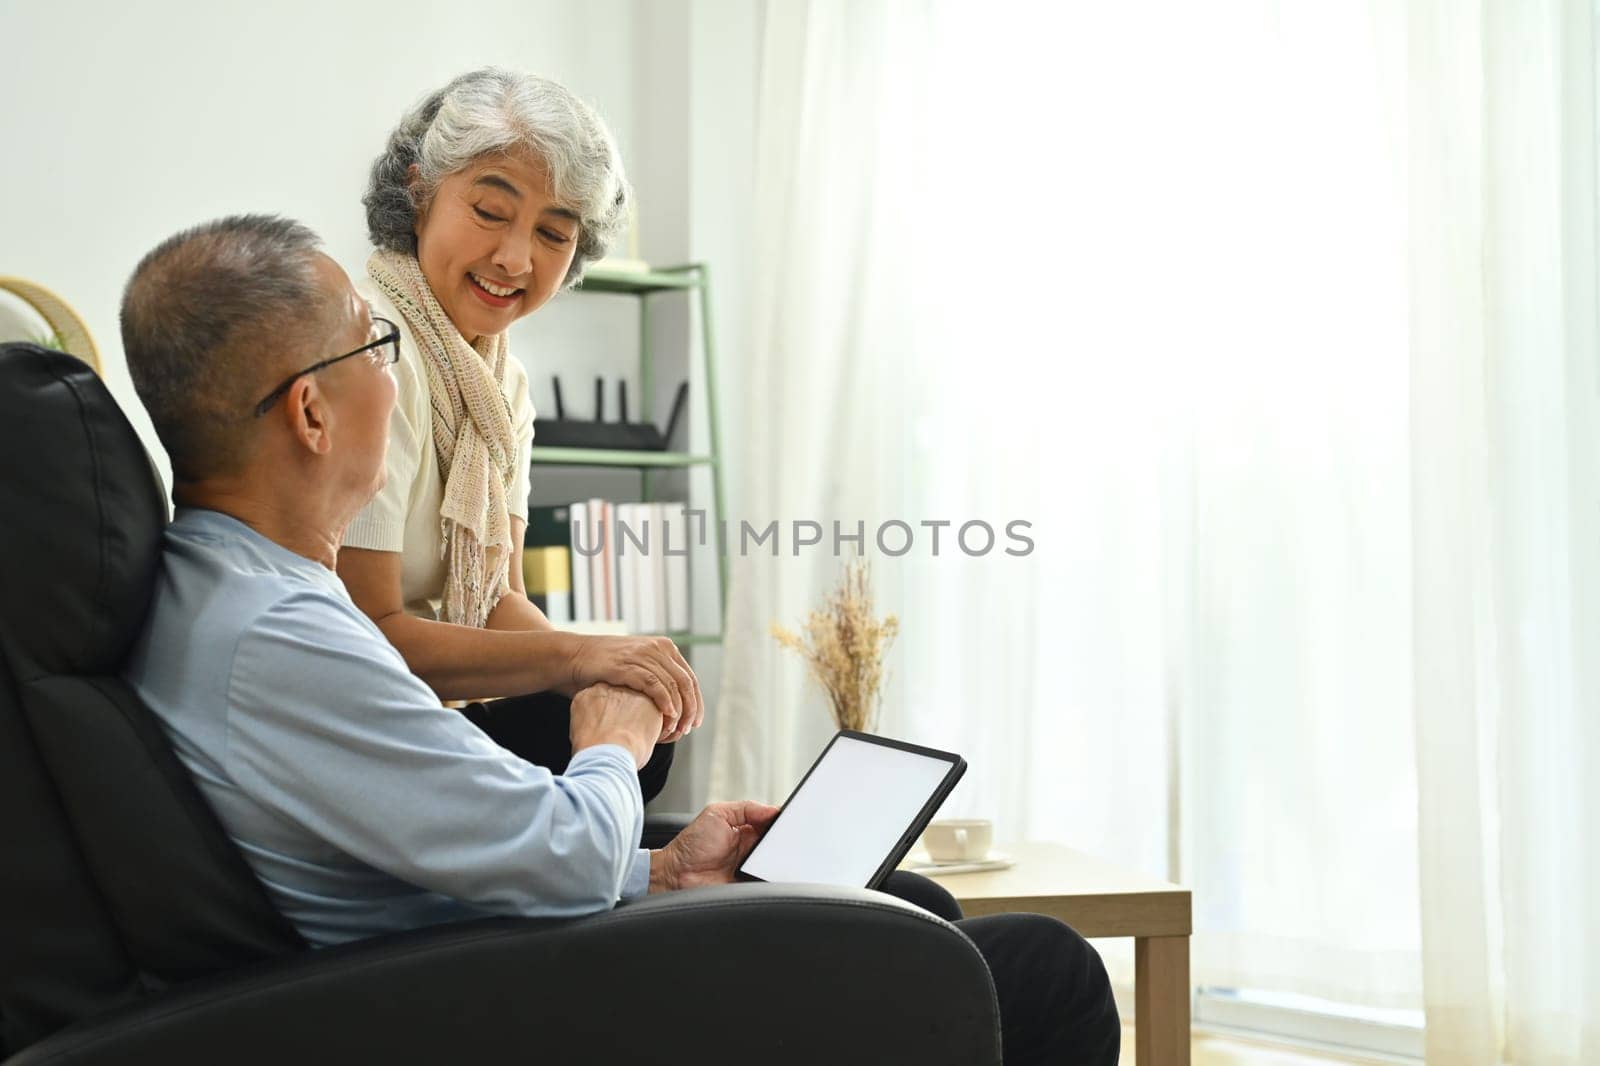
132,930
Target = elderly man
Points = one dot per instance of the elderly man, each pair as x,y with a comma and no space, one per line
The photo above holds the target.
362,803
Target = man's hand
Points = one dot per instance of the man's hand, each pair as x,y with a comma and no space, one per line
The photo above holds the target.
710,848
651,665
605,714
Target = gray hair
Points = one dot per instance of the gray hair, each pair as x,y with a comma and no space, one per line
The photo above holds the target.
491,112
202,317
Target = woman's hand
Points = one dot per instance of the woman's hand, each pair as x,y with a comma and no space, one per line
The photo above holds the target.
651,665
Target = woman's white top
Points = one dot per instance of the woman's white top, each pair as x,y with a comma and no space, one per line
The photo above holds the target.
404,516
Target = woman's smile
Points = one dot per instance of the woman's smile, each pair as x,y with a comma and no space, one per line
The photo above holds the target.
492,293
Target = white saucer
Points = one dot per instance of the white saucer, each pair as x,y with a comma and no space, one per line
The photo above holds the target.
919,862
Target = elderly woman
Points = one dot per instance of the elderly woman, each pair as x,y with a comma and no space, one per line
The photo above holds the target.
492,195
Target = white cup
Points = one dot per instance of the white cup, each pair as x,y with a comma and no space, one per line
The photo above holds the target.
958,839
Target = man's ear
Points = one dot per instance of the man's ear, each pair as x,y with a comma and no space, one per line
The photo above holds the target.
310,415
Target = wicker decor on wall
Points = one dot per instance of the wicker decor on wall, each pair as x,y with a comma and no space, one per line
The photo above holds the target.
71,330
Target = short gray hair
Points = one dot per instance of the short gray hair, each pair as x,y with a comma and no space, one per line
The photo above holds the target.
494,111
202,317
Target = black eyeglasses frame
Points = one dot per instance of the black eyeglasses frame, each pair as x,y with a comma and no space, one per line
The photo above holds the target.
391,338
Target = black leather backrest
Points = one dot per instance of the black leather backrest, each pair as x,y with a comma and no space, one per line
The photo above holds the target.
61,957
83,517
145,886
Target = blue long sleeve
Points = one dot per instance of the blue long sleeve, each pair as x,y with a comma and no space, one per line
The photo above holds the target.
364,805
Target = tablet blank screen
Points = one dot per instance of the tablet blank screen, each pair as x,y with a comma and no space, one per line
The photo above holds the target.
848,816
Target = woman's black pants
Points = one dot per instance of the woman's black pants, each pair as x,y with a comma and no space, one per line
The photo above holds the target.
1055,999
535,727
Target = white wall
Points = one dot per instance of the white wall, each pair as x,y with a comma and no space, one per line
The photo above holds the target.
724,50
126,123
695,115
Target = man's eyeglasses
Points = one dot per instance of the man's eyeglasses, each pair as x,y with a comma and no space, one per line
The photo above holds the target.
385,352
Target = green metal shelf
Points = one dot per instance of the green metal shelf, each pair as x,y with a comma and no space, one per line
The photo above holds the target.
693,279
687,639
617,457
640,283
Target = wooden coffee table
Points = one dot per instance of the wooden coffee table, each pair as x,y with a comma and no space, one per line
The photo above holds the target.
1099,900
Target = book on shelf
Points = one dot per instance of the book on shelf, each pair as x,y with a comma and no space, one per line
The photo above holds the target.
549,527
608,562
596,561
658,570
628,584
547,576
675,538
581,531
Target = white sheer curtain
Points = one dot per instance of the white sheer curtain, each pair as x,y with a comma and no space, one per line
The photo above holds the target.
1506,463
1140,275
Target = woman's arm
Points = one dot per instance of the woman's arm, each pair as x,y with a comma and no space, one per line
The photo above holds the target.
460,662
516,611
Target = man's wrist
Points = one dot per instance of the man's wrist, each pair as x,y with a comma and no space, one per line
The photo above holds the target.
586,741
663,871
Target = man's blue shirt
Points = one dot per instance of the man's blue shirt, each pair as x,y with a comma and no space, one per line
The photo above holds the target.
362,803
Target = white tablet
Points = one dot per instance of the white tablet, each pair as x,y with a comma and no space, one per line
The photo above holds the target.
856,812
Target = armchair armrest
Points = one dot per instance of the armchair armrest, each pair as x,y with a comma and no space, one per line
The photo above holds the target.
659,829
776,974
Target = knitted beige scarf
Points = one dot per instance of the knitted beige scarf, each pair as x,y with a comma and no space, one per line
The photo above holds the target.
472,435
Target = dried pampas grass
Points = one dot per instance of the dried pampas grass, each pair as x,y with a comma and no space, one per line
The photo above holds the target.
844,645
